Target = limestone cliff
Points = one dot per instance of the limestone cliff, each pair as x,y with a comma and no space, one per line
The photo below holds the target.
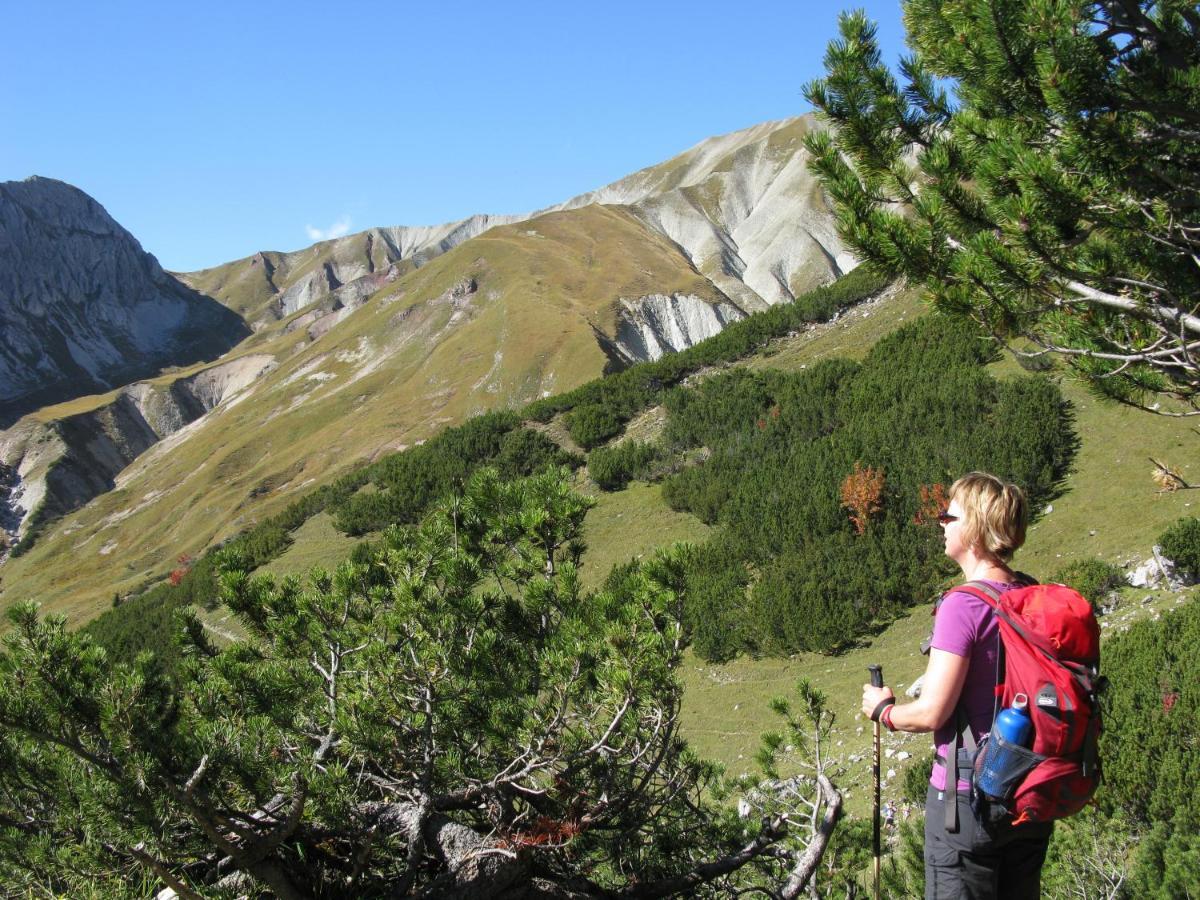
746,211
83,308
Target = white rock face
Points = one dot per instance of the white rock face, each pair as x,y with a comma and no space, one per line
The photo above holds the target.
746,211
656,324
61,464
83,308
1157,571
914,689
309,290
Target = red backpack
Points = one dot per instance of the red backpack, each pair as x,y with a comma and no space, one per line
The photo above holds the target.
1050,651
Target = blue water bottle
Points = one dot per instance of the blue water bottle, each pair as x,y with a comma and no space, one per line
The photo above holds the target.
1006,758
1014,724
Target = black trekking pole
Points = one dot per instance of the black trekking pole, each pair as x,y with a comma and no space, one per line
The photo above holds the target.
876,681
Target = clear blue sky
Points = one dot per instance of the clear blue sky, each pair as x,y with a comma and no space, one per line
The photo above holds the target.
213,130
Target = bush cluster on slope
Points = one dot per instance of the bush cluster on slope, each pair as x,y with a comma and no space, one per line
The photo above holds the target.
1141,840
1152,722
1095,579
921,409
407,483
612,468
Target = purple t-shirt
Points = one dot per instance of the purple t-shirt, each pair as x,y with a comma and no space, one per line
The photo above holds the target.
966,626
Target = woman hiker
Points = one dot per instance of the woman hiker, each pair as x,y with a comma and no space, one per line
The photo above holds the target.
983,526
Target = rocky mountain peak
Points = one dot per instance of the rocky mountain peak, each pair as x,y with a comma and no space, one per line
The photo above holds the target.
83,308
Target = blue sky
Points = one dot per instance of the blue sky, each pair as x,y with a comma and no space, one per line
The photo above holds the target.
213,130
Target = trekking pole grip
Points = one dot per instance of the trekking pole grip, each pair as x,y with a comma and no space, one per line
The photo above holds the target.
876,671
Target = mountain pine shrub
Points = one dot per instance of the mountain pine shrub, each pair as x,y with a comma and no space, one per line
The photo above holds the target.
592,423
1140,839
714,613
612,468
455,717
1096,579
1181,544
407,483
1152,722
1034,164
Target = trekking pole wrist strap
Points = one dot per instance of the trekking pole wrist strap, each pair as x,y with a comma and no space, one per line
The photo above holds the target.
886,717
883,704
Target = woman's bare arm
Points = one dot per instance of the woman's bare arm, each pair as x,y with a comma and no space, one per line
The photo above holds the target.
940,690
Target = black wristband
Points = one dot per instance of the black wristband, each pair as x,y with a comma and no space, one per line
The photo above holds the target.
883,704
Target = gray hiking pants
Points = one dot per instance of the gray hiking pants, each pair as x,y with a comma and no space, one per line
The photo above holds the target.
973,864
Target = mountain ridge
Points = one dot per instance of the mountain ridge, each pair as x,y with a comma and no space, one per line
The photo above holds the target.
727,202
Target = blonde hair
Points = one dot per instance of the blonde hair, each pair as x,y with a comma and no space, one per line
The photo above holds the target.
994,513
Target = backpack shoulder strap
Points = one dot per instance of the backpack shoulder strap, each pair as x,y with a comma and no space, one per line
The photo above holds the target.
991,597
962,736
971,587
962,727
983,591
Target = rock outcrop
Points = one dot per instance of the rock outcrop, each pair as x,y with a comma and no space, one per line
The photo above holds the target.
651,326
83,308
49,468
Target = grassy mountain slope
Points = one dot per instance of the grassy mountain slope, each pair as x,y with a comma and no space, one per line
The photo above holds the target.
738,217
498,321
269,285
247,286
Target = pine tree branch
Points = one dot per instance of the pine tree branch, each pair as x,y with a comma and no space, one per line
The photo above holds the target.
771,831
1158,312
159,868
807,864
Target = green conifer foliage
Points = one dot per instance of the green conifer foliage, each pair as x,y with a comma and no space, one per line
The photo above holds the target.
786,569
1142,839
1181,544
612,468
1152,722
446,716
1037,167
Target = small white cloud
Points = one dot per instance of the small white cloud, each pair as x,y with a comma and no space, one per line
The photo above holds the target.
338,229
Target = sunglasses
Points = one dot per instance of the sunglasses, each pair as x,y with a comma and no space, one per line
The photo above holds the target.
945,518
